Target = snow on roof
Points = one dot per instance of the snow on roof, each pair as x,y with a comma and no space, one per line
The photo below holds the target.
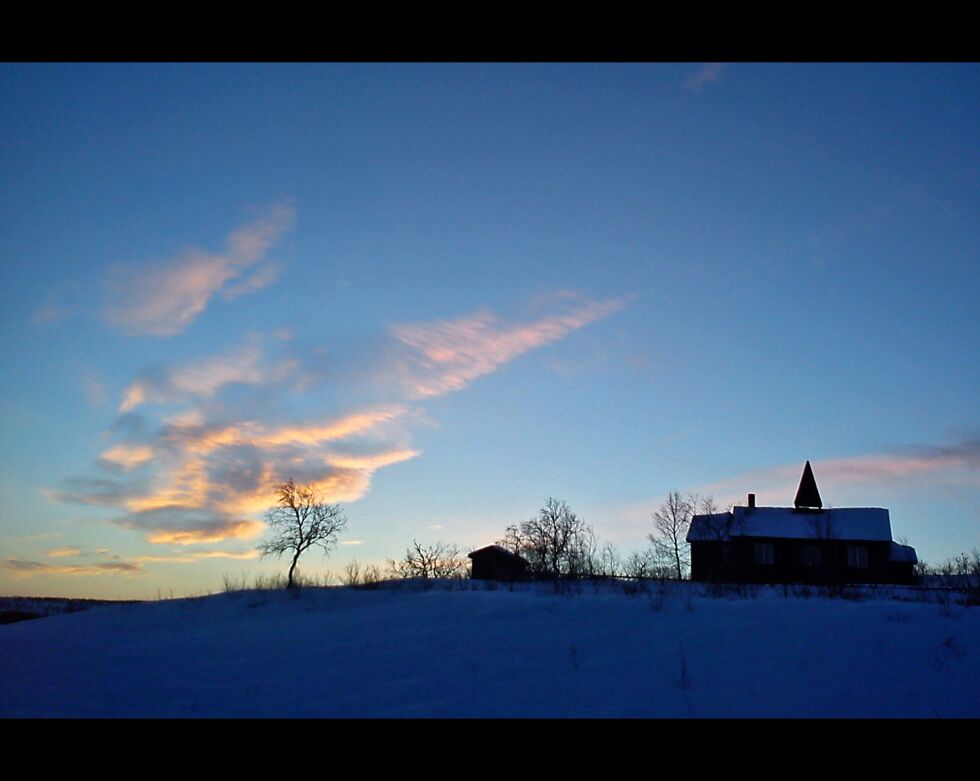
900,552
869,524
496,549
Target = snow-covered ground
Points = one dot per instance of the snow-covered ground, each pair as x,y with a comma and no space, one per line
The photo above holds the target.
475,652
25,608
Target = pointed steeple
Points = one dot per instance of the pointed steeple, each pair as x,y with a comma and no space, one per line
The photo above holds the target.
807,494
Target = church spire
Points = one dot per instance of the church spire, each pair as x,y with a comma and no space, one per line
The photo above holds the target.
807,494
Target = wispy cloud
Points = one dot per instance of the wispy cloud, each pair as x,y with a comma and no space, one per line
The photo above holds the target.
447,355
230,530
25,568
864,480
96,491
126,457
201,379
162,299
956,462
58,553
708,73
262,277
192,557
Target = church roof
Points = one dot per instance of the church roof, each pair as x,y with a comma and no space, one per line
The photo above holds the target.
860,524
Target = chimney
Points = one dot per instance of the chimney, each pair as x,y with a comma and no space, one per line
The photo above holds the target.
751,501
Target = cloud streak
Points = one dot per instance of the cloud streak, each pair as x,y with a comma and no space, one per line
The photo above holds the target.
58,553
126,457
162,299
193,557
201,379
25,568
959,461
448,355
842,480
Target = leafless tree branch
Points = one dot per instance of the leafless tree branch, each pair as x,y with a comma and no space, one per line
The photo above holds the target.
299,521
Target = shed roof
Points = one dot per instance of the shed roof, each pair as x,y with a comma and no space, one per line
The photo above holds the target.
496,549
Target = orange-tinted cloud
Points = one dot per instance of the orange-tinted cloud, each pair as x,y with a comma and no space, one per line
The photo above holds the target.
339,429
127,457
58,553
231,530
194,556
371,462
194,436
217,483
448,355
163,298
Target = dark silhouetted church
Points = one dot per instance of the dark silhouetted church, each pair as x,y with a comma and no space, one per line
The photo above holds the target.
800,544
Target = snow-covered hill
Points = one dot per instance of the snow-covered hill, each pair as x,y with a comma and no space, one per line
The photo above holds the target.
467,651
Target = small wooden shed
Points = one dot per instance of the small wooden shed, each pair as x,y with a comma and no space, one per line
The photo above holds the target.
496,563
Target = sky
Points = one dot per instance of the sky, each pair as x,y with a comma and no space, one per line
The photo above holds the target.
446,292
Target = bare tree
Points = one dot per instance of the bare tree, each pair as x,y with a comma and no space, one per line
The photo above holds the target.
716,525
671,522
607,563
440,560
638,565
352,573
556,541
301,520
705,504
649,563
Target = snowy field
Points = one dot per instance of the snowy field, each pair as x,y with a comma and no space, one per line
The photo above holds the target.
408,652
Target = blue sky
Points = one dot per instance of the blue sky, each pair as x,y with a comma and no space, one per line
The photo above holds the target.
449,291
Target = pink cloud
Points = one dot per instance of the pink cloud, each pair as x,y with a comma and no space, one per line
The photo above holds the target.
58,553
869,480
201,379
448,355
777,485
161,299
